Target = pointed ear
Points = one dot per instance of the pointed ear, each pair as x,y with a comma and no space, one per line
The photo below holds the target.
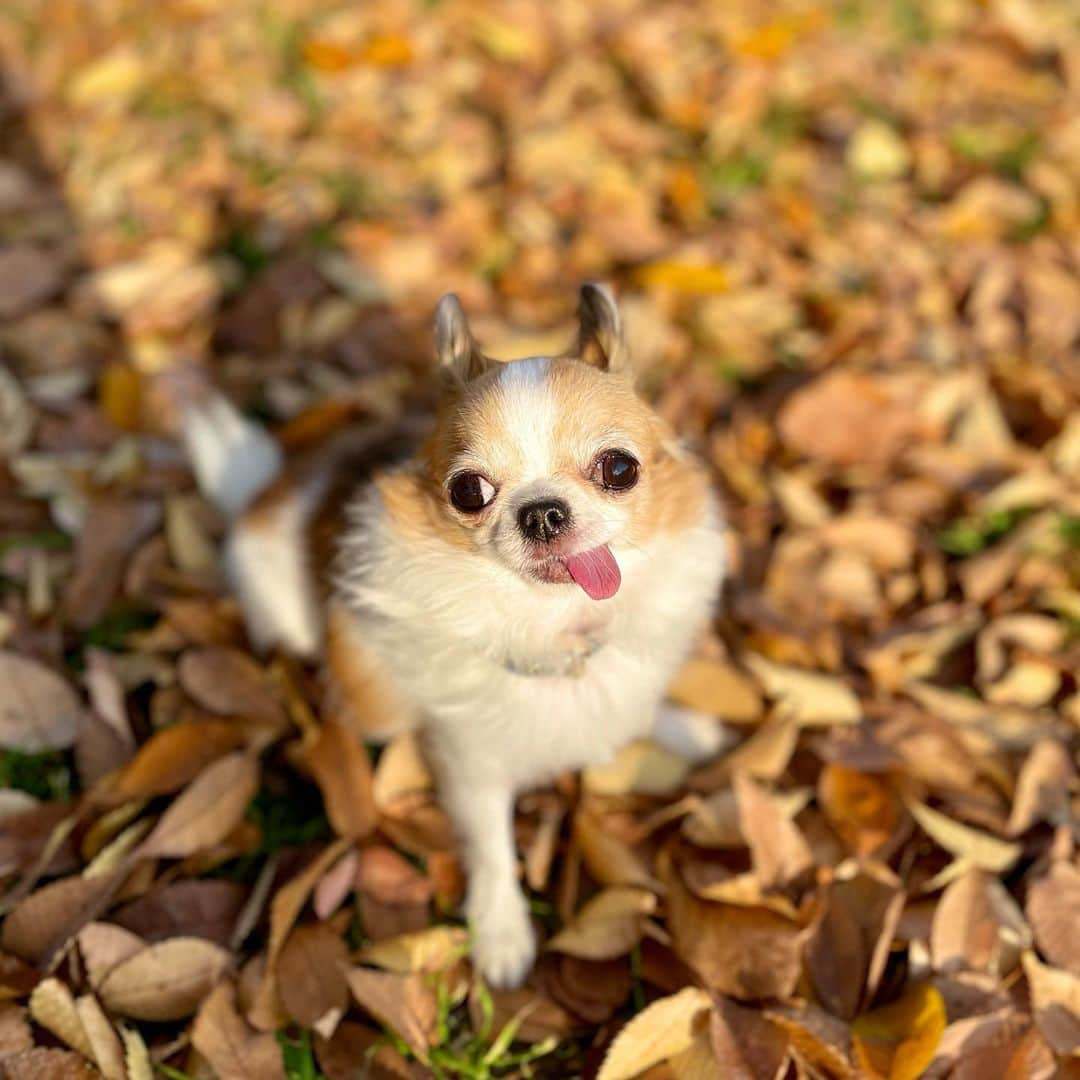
455,349
600,340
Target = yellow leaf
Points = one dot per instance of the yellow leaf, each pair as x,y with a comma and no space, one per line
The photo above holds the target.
387,50
979,848
898,1041
119,395
657,1033
704,278
326,55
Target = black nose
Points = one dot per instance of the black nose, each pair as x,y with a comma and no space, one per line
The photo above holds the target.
544,520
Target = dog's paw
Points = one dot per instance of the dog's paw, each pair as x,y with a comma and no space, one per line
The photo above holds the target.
504,946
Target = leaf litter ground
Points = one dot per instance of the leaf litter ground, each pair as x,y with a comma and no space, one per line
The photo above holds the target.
845,237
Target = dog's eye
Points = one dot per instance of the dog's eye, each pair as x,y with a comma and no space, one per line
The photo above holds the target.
471,492
618,471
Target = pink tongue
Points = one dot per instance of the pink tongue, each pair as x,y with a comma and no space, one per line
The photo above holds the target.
596,572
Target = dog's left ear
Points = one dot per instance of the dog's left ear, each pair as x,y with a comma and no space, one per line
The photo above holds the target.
600,339
456,350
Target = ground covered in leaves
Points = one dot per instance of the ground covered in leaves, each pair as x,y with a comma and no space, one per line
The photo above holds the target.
846,237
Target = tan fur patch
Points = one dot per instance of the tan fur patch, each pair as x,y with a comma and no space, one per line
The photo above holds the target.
369,704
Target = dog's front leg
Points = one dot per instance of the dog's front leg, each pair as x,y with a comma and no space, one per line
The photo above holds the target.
498,914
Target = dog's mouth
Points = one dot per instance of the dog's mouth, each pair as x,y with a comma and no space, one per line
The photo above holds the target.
595,571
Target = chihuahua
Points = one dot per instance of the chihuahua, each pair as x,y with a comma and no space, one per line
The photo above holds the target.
518,592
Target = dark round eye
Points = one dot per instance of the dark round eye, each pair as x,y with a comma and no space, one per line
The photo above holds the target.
470,492
618,471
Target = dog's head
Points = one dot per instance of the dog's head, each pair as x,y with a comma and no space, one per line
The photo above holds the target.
553,466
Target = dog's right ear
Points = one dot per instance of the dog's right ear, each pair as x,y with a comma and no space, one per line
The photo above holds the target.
455,348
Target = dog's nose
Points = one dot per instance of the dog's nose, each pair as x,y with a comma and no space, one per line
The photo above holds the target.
544,520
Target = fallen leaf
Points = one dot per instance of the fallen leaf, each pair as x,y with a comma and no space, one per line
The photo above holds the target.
164,981
641,768
404,1003
1053,907
52,1005
608,859
207,811
609,925
746,1044
234,1050
660,1031
779,852
47,919
809,698
717,688
310,973
173,757
39,710
979,848
433,949
40,1064
899,1040
1055,1003
860,806
229,683
1042,789
341,768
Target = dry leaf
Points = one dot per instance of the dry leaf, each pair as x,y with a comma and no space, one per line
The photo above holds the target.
899,1040
978,848
433,949
609,925
39,710
165,981
174,756
207,811
340,766
404,1003
1053,907
641,768
809,698
1055,1002
746,1044
227,682
1042,789
717,688
234,1050
778,849
662,1030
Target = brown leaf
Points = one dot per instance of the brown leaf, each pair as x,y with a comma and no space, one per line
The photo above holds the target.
47,919
103,946
203,908
746,1044
847,418
207,811
1042,789
342,770
230,683
608,859
310,972
778,849
847,950
113,529
390,878
335,885
403,1002
15,1032
609,925
28,275
432,949
816,1038
809,698
285,909
234,1050
41,1064
1053,907
174,756
744,952
39,710
164,981
977,926
860,806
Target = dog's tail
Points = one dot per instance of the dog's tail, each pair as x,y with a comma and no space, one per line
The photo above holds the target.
234,459
236,463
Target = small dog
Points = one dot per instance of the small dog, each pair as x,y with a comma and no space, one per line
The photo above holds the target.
519,592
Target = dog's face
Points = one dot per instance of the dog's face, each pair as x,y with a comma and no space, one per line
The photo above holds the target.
552,465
